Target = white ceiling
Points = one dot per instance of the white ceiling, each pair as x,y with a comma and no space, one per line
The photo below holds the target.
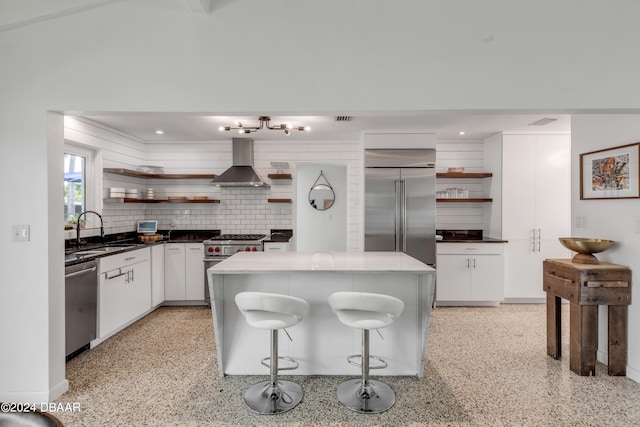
446,125
204,127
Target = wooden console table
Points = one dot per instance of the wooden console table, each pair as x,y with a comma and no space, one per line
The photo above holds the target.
586,286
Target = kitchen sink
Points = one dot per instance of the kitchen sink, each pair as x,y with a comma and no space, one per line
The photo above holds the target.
91,252
105,249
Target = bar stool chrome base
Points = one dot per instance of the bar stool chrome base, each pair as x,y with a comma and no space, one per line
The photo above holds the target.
265,399
372,399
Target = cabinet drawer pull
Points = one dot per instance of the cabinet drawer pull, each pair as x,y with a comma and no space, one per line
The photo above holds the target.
113,277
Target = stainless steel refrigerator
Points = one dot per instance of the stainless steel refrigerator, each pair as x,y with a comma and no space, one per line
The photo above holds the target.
400,204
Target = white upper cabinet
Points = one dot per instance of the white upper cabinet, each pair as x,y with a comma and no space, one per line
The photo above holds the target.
553,185
536,186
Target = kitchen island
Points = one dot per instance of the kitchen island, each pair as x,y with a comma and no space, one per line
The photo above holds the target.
320,342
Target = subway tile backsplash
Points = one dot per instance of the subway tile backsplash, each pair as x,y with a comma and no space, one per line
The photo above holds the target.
241,210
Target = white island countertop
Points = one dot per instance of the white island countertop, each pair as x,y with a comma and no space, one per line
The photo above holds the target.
335,262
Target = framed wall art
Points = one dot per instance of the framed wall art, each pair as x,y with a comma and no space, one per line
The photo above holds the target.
611,173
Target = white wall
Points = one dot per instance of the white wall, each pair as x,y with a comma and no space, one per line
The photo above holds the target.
321,231
470,156
379,56
609,219
493,186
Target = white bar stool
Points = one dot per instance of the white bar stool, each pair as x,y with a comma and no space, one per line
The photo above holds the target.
366,311
274,312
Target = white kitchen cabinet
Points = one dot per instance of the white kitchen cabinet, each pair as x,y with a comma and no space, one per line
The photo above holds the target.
277,246
194,276
536,186
124,289
184,277
470,273
157,275
397,140
174,268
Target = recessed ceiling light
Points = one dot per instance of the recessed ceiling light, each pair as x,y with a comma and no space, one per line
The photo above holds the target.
461,132
160,132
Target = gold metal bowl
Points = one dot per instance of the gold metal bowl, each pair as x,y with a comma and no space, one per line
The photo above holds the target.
585,248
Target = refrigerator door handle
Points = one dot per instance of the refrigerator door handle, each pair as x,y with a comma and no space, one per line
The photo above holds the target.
398,216
403,195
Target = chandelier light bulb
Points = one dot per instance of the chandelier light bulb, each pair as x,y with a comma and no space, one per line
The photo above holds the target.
264,124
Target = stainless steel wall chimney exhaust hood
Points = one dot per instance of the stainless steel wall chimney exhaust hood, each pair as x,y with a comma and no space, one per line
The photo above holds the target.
241,173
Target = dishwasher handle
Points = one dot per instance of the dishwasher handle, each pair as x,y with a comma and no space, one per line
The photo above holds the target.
80,273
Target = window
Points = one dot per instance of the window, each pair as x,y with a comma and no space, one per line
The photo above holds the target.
80,192
75,180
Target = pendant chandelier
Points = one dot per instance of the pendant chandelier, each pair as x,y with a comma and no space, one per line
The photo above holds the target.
264,124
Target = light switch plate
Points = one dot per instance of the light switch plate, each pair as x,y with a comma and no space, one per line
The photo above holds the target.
636,224
581,221
21,233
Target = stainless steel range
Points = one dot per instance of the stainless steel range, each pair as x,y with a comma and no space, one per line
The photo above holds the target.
218,248
225,245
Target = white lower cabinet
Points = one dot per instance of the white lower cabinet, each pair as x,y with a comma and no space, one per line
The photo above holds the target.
523,268
277,246
157,275
184,272
470,273
124,289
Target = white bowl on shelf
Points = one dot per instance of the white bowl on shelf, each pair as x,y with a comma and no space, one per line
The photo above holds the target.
455,170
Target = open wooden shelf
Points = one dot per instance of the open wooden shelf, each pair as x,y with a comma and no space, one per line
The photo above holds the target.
279,200
138,174
279,176
464,175
125,200
464,200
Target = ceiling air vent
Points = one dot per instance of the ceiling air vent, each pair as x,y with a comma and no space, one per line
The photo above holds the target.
343,118
542,122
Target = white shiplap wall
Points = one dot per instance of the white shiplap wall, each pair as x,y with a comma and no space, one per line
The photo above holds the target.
469,155
240,210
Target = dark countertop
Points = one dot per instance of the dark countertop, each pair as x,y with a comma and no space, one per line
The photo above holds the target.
185,236
279,236
465,236
483,240
125,242
86,253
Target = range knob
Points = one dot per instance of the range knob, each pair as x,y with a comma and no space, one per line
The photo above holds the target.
209,249
239,250
217,249
254,249
247,249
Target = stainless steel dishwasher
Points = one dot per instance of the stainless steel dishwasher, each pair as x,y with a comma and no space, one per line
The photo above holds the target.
81,304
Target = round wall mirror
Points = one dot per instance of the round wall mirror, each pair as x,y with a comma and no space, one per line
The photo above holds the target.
321,197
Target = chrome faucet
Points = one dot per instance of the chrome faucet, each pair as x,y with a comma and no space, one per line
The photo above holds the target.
78,226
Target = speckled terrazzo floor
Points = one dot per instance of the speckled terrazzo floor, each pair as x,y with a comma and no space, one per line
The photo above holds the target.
485,366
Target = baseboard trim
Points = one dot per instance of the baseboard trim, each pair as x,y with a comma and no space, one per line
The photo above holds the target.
524,301
36,397
466,304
